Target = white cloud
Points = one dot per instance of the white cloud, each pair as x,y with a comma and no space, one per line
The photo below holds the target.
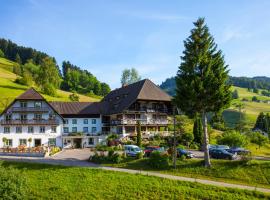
235,33
148,15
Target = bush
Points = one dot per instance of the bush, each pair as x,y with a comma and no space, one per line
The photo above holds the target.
49,89
54,150
158,160
257,138
194,146
110,153
74,97
116,158
11,183
233,139
139,155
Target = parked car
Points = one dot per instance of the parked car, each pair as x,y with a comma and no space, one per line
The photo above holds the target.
132,150
239,151
225,147
184,152
221,154
148,150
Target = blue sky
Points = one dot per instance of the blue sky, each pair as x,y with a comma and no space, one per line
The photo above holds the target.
105,37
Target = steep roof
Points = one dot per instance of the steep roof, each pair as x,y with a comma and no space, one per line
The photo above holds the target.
120,99
82,109
30,94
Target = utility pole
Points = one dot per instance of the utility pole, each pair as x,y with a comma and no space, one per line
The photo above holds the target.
174,138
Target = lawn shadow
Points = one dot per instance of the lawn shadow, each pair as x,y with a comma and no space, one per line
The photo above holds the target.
31,165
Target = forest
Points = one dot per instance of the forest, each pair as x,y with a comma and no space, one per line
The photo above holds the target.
37,68
255,83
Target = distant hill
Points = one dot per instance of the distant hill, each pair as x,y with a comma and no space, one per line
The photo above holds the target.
241,84
258,82
10,90
72,77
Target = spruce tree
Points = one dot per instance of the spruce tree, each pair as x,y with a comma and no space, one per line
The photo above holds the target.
201,81
260,122
198,130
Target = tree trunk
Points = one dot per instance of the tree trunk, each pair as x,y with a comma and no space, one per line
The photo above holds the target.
207,162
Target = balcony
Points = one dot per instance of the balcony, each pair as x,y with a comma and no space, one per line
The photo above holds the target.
30,122
143,122
148,110
29,109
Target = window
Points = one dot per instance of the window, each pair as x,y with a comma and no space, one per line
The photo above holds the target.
66,121
23,116
52,116
6,129
8,143
42,129
23,142
74,129
66,129
85,129
94,121
74,121
30,129
53,129
90,141
23,104
85,121
52,142
94,129
38,116
8,117
18,129
37,104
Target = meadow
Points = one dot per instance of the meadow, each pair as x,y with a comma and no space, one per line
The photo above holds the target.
255,173
10,90
40,181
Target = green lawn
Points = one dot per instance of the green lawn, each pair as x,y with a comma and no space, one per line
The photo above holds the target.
10,90
57,182
255,173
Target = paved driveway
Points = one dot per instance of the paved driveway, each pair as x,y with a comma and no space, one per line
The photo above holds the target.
72,154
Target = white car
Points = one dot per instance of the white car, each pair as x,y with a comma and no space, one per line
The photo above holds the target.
132,150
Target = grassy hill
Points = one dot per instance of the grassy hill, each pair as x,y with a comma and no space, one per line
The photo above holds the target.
9,89
251,109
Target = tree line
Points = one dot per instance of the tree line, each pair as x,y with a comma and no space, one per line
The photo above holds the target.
252,84
35,67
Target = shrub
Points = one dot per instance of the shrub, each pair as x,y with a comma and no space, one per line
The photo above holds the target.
139,155
233,139
116,158
11,183
158,160
49,89
54,150
74,97
110,153
194,146
257,138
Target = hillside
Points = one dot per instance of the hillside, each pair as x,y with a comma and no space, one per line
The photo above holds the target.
231,115
9,90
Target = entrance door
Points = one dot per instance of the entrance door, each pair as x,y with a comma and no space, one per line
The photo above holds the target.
77,142
37,142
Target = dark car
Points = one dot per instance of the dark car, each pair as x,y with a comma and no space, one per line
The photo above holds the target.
238,151
187,154
221,154
148,150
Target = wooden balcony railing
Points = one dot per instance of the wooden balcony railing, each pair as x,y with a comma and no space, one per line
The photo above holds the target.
142,121
30,122
29,109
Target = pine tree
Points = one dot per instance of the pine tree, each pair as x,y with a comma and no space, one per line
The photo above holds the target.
260,121
201,79
198,130
18,59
